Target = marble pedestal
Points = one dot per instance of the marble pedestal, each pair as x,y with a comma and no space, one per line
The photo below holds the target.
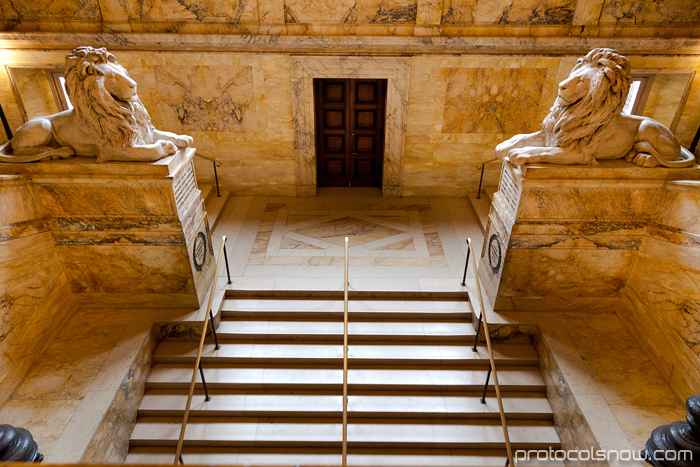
128,234
566,237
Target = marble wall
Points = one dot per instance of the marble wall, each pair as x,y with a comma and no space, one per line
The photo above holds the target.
33,91
446,113
661,301
35,297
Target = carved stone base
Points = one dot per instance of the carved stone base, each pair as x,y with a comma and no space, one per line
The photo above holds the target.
129,234
565,237
677,444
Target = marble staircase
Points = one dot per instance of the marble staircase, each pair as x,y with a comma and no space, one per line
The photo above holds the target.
481,205
414,387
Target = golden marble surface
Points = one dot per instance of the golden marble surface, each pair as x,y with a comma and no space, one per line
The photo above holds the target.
665,97
484,101
118,232
34,91
648,11
35,296
509,12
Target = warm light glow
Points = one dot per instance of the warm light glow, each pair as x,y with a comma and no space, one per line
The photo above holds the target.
62,80
632,96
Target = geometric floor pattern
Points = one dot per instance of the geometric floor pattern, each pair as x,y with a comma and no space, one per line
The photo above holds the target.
379,235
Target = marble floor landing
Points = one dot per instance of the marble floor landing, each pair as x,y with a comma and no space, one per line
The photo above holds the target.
395,244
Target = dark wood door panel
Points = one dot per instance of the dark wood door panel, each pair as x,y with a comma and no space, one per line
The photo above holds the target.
349,131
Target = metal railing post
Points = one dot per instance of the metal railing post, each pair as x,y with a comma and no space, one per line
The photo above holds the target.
466,264
213,331
228,272
478,329
204,383
345,359
481,179
216,179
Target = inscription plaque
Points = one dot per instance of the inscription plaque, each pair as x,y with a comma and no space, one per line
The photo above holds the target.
509,190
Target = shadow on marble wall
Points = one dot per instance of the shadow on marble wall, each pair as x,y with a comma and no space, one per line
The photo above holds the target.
661,301
36,297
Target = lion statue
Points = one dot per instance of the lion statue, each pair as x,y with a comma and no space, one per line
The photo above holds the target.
586,123
108,119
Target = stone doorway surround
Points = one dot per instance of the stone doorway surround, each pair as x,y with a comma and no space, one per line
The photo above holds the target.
396,70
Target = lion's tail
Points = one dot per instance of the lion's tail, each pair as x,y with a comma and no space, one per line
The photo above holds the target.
685,158
7,154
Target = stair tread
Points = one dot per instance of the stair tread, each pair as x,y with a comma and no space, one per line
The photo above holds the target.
297,328
303,304
172,404
221,431
423,457
215,206
507,376
206,189
481,207
514,354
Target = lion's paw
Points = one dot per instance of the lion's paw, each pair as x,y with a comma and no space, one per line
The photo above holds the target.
165,148
645,160
184,141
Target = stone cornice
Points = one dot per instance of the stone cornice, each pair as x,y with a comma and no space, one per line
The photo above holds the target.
353,45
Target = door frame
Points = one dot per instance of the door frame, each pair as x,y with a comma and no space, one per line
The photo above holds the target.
396,70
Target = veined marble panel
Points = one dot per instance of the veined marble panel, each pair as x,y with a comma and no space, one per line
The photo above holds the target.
197,10
485,100
207,98
650,11
127,269
65,9
351,11
509,11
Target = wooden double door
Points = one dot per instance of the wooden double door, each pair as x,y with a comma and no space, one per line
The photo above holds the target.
350,131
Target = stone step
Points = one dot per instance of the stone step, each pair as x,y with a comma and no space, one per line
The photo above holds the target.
315,309
404,456
215,207
481,207
285,406
207,189
325,331
511,378
315,304
358,354
220,431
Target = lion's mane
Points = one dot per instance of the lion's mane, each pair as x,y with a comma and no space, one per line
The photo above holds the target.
117,122
578,123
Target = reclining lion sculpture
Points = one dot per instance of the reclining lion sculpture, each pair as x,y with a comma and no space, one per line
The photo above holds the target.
586,123
108,119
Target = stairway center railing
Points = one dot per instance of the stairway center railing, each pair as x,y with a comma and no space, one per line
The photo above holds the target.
345,359
492,361
197,363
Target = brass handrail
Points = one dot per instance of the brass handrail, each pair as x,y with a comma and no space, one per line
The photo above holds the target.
199,353
492,361
345,359
481,164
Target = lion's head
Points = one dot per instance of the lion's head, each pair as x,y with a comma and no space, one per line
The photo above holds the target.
105,98
589,99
